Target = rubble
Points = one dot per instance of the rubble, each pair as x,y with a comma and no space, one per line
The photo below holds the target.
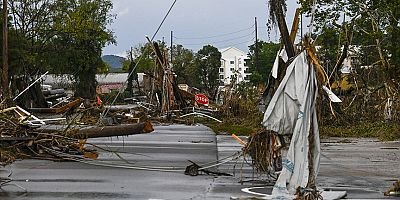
23,135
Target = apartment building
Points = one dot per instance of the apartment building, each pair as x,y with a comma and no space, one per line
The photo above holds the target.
233,66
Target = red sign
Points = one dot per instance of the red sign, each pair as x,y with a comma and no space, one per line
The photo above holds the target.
201,99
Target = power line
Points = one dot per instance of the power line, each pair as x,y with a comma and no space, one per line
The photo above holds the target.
252,40
220,41
106,110
215,36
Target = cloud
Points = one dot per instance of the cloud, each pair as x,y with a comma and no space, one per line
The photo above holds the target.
120,8
122,12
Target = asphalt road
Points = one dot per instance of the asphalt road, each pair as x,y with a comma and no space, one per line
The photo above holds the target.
364,168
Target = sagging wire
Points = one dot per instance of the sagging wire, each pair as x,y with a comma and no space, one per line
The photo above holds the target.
134,167
104,164
106,110
7,181
225,40
212,163
215,36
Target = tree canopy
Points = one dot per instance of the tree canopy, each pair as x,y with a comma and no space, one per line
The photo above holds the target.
208,61
261,65
63,37
184,66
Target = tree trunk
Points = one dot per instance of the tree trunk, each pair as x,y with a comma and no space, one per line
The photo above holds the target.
119,130
86,85
5,88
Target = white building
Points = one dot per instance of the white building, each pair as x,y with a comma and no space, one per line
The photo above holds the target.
233,66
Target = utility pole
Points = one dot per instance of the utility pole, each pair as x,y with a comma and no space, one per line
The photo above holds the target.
256,43
172,34
5,51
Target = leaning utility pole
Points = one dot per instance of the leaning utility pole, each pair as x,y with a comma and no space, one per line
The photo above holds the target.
5,89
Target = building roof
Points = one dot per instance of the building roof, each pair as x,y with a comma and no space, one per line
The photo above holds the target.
231,52
101,78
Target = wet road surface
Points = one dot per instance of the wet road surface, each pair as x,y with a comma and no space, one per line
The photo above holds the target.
365,168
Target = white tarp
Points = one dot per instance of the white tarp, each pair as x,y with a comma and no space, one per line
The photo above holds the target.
332,96
281,54
292,111
347,68
275,66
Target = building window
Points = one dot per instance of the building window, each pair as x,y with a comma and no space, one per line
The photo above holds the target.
247,78
246,62
221,70
239,62
221,77
240,69
232,69
232,62
222,63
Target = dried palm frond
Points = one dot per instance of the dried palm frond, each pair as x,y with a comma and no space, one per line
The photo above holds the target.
276,8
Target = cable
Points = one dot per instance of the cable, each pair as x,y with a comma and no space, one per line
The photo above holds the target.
252,40
162,22
147,168
222,41
214,36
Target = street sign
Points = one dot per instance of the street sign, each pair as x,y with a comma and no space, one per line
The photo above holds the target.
201,99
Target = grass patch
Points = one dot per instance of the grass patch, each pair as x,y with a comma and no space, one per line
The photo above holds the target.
236,125
228,128
381,130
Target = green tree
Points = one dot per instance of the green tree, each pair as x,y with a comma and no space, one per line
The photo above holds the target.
261,66
184,65
28,25
208,62
375,24
328,40
81,27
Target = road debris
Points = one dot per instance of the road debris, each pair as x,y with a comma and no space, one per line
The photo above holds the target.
195,169
394,190
23,135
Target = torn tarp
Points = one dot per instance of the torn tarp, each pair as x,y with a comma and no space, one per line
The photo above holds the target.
292,111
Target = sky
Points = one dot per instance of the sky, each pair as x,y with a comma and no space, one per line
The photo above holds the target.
195,23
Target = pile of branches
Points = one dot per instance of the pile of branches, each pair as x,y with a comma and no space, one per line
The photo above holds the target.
264,147
373,96
20,141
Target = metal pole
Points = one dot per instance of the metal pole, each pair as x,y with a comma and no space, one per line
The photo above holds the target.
40,78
